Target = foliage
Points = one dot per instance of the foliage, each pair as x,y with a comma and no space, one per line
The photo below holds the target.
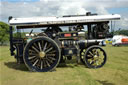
4,32
19,34
121,32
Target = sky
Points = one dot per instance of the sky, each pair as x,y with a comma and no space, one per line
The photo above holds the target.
37,8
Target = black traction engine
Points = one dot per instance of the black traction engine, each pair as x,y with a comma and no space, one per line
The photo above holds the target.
42,51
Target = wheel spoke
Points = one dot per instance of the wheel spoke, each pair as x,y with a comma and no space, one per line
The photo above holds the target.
50,54
31,51
52,51
45,46
97,63
94,51
39,46
49,60
100,62
41,65
90,56
35,62
49,45
48,50
91,53
34,44
47,63
35,49
97,53
38,63
31,54
44,63
31,57
52,58
91,62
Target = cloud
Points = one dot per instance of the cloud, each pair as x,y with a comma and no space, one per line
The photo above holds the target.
60,7
71,8
123,23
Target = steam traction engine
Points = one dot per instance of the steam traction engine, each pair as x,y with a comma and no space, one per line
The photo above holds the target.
43,51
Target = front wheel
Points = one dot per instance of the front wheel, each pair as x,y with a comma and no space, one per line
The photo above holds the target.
41,54
95,57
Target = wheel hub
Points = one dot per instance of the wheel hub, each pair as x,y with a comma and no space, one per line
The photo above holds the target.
42,54
95,57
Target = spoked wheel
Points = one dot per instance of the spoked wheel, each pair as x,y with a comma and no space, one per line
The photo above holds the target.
42,54
95,57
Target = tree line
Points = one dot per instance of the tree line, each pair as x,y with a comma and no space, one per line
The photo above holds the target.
5,32
121,32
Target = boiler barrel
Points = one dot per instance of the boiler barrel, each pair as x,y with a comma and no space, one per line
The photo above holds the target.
86,43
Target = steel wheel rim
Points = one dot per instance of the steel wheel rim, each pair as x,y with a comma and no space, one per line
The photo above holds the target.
41,55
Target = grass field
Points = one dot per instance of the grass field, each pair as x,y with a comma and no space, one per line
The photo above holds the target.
115,71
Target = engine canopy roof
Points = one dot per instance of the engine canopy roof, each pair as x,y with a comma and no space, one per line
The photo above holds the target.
36,22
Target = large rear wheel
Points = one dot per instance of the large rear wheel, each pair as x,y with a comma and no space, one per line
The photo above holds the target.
42,54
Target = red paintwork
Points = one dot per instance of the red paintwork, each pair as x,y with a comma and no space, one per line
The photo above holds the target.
125,40
67,35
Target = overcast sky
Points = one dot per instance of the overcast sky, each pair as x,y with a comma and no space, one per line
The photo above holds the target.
33,8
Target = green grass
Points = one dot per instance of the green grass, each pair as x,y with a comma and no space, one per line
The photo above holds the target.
115,71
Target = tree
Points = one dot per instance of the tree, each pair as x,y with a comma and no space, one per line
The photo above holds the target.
4,32
121,32
124,32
